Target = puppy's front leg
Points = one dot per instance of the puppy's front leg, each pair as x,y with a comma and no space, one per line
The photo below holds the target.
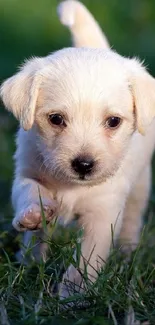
26,195
134,211
98,223
26,201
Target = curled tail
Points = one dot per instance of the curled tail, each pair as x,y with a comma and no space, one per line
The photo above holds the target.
84,29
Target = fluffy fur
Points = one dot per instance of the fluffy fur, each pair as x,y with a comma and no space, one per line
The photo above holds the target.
86,86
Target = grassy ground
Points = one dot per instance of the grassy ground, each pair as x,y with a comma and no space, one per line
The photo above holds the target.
123,294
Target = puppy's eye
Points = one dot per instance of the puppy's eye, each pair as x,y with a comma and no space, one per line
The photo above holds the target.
113,122
57,119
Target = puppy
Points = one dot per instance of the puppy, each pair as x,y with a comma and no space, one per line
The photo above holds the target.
86,140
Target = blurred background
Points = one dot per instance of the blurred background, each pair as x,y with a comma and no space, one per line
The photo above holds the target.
31,28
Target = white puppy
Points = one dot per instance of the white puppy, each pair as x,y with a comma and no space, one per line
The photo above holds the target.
86,140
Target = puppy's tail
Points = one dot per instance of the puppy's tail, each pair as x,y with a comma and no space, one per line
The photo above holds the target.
84,28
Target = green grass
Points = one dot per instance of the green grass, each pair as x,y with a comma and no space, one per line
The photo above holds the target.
123,291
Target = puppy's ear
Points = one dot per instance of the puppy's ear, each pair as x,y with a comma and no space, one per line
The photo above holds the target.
142,85
19,93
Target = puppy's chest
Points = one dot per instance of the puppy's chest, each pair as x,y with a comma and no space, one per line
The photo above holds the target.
67,202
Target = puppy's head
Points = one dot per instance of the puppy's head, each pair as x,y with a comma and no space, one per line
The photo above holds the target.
85,105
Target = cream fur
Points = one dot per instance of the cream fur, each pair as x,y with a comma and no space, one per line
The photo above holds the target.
86,86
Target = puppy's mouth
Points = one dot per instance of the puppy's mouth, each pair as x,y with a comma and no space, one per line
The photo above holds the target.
90,179
82,177
86,180
82,180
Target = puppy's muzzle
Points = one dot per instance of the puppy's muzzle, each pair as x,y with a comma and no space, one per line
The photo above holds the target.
83,165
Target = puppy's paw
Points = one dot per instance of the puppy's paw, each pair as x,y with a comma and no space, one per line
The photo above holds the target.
72,283
31,218
127,249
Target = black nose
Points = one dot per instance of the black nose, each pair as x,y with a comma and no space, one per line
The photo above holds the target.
83,165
